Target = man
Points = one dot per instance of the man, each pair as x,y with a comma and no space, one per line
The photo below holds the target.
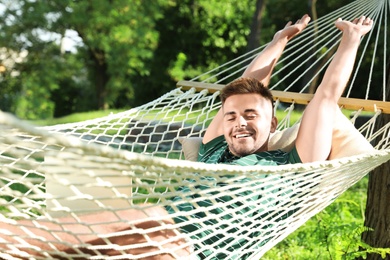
240,131
246,119
238,134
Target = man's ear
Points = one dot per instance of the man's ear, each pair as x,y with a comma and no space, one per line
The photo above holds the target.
274,124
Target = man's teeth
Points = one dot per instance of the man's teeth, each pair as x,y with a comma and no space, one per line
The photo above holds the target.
243,135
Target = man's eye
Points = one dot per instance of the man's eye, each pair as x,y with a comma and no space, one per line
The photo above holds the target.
231,119
250,117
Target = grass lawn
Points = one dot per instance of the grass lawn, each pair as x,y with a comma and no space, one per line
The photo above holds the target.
76,117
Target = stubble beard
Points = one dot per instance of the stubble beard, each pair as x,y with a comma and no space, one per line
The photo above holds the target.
247,149
241,150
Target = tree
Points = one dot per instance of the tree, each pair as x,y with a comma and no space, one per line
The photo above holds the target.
195,37
39,67
254,36
132,51
377,212
118,41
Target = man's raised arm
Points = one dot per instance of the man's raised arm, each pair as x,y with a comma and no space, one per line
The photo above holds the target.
262,67
315,133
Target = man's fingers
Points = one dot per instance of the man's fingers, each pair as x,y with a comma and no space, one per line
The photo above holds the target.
368,21
305,19
288,24
361,19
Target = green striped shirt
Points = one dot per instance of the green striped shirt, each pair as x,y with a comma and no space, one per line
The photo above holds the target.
216,151
223,236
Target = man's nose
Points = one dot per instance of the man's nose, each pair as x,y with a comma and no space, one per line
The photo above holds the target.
241,122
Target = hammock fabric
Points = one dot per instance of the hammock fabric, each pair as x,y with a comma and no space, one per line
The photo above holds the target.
52,177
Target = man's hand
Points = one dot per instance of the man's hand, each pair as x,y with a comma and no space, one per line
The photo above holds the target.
291,30
360,25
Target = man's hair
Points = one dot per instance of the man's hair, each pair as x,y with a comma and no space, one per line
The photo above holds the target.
246,86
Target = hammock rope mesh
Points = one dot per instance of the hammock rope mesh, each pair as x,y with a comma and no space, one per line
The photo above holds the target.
53,177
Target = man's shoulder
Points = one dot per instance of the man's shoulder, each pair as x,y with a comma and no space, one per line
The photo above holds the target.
211,151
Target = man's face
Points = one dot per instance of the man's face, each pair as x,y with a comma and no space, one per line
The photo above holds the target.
248,122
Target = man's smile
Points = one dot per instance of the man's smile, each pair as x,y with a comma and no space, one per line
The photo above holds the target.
242,135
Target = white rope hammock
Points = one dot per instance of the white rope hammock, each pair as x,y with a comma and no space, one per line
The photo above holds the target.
51,178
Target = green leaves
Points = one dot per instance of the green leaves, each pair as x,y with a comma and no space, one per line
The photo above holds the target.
131,51
335,233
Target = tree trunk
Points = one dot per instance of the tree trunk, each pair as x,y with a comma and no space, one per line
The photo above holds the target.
101,78
377,208
377,215
254,36
101,85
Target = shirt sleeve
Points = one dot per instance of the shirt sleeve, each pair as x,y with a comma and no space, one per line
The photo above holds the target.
293,156
207,149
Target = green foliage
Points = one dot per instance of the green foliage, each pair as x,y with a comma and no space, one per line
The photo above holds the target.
195,36
34,64
118,39
177,71
334,233
131,52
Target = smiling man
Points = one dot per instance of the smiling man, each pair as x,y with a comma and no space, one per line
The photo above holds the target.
239,135
247,122
240,131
